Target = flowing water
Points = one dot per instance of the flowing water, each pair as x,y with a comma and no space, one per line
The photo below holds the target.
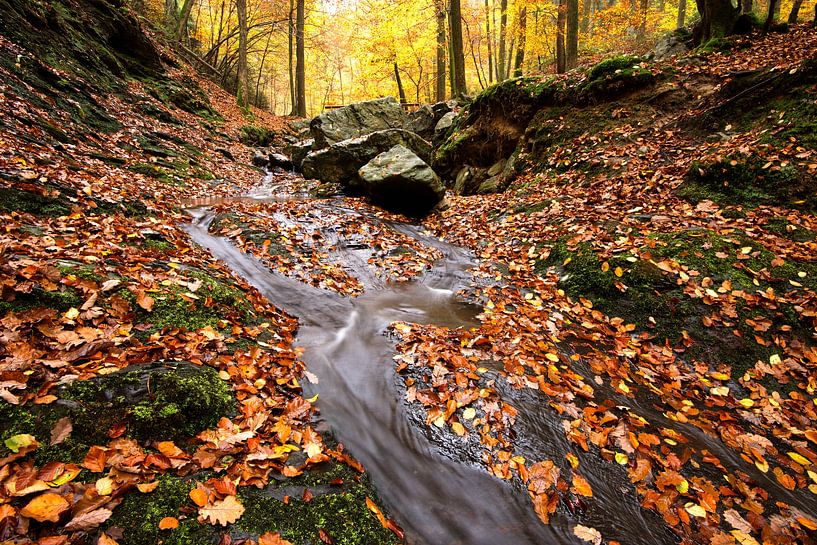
437,498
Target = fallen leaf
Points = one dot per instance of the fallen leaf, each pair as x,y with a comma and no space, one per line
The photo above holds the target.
223,512
588,534
168,523
46,507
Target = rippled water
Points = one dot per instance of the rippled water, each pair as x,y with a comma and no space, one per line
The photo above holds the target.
436,497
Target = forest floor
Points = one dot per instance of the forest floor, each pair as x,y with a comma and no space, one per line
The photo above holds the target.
655,283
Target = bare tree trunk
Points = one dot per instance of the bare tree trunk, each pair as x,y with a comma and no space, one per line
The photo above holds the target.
440,83
291,58
458,57
243,93
642,25
587,7
746,6
770,16
561,17
520,46
170,13
400,90
572,35
682,13
261,69
489,38
181,28
503,29
795,12
300,60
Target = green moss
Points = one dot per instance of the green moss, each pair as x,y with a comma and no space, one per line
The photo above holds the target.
15,200
184,94
657,305
139,516
609,67
217,301
253,135
339,511
744,180
163,401
782,227
59,300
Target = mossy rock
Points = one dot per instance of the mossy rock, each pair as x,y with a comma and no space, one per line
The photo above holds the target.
184,94
162,401
15,200
255,136
741,180
612,78
59,300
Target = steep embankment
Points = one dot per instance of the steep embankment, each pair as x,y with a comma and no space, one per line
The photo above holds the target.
144,386
658,253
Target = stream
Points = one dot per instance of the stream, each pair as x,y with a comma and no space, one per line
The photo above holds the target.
435,496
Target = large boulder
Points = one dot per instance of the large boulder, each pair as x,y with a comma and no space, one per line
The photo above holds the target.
356,120
425,119
298,151
400,181
340,162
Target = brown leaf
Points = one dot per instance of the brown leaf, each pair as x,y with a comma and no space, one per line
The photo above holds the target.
95,459
105,539
89,520
61,431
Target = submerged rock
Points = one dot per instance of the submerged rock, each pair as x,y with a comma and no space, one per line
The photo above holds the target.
340,162
400,181
356,120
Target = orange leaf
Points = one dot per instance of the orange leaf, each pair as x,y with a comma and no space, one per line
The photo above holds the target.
581,486
46,507
199,497
273,539
95,459
168,523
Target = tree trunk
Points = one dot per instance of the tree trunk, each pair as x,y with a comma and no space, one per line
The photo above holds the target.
400,90
587,7
520,46
572,34
170,13
291,59
561,17
503,29
181,28
489,39
795,12
682,13
440,83
261,70
458,57
717,19
642,26
770,16
243,93
746,6
300,60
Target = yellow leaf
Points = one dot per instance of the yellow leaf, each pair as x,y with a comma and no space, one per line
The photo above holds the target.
802,460
682,487
762,465
619,272
605,267
695,510
719,391
104,486
17,442
458,428
621,459
469,413
746,402
573,459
